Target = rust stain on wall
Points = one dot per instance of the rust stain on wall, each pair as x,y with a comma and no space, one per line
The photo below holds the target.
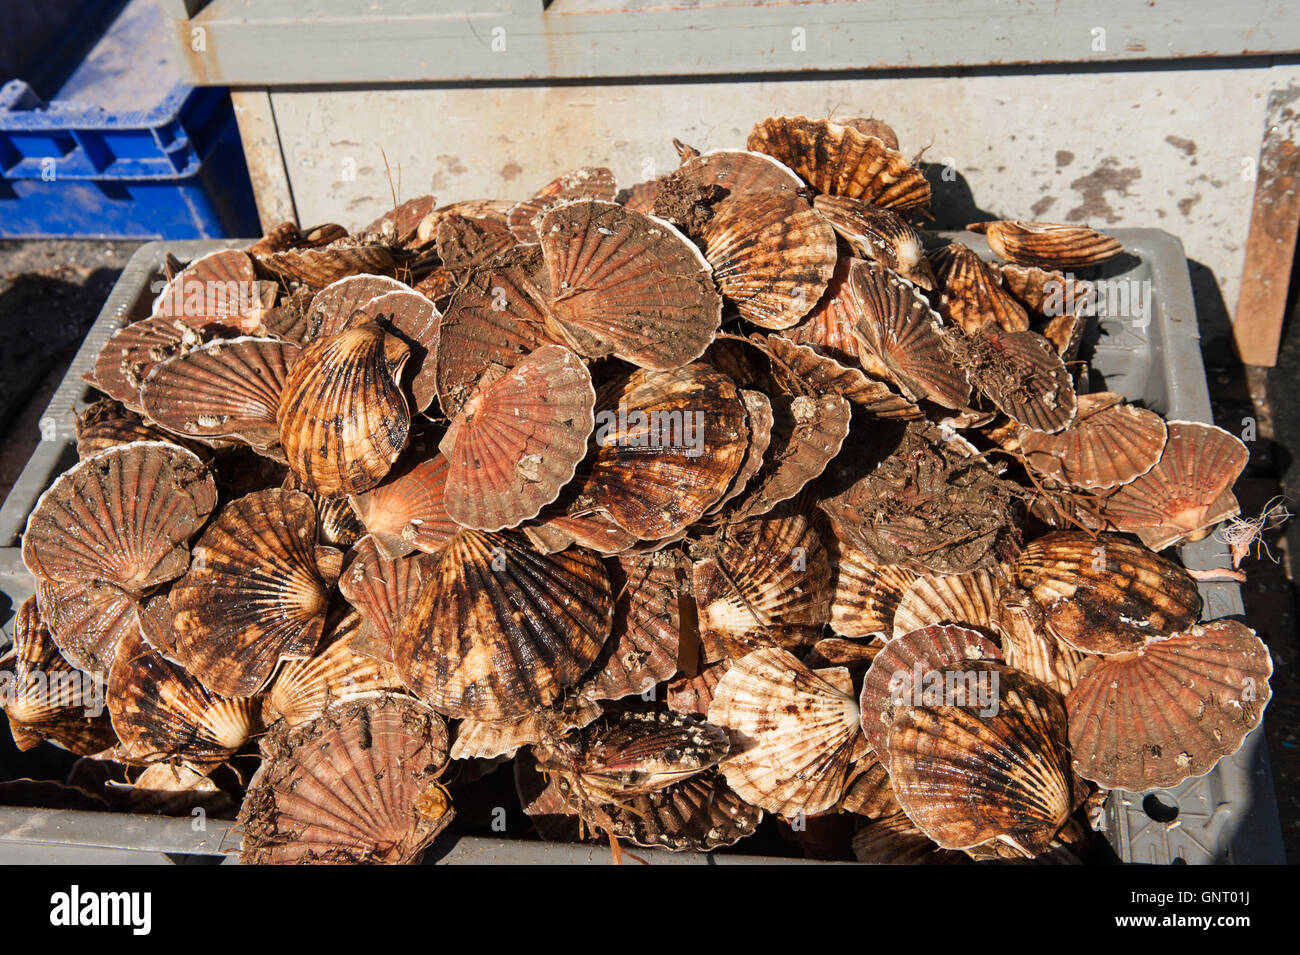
1107,177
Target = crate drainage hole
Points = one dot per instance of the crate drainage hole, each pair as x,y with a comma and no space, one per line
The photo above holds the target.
1160,807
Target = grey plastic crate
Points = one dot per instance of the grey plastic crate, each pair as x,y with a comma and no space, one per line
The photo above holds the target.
1227,816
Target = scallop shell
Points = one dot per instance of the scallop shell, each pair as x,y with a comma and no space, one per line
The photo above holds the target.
628,285
971,295
338,524
898,338
45,697
772,256
699,814
1065,302
219,288
170,790
402,223
124,516
879,234
759,419
842,160
412,318
1021,374
87,621
322,266
834,651
866,593
492,321
107,424
1104,594
594,530
1108,444
642,649
693,694
496,210
587,182
738,171
303,689
968,777
794,732
892,682
970,600
332,308
829,326
356,785
494,739
1184,492
518,440
407,510
1029,645
466,243
1048,245
343,418
134,349
160,712
825,374
382,590
257,592
1171,709
224,389
763,581
466,650
668,445
896,840
869,792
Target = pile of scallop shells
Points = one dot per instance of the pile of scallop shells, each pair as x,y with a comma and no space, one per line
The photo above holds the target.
728,496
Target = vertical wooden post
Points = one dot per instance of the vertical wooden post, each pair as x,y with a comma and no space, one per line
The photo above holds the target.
265,160
1270,247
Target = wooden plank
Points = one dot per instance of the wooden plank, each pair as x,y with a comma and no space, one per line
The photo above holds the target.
1270,247
332,42
265,159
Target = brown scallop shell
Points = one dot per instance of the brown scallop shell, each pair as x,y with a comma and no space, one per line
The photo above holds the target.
899,339
382,590
131,351
494,739
738,171
1064,302
45,697
772,256
225,389
829,326
967,777
1020,373
890,683
413,319
357,785
407,510
334,307
1104,594
866,593
107,424
824,373
760,420
1029,645
466,243
337,523
1109,443
842,160
401,223
343,417
170,790
494,320
160,712
1184,492
319,267
627,285
1048,245
257,592
869,792
970,600
699,814
795,732
466,650
762,582
693,694
518,440
1171,709
879,234
896,840
656,481
303,689
971,295
642,649
586,182
220,288
496,210
124,516
594,530
87,621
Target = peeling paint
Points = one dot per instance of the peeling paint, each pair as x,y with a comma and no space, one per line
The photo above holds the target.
1185,205
1042,205
1188,146
1063,158
510,171
1107,177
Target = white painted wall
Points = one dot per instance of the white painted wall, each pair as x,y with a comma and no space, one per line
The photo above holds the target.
1167,149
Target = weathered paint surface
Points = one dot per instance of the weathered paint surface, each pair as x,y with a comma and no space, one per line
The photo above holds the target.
1170,149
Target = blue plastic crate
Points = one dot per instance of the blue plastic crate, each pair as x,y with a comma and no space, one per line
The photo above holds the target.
106,157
